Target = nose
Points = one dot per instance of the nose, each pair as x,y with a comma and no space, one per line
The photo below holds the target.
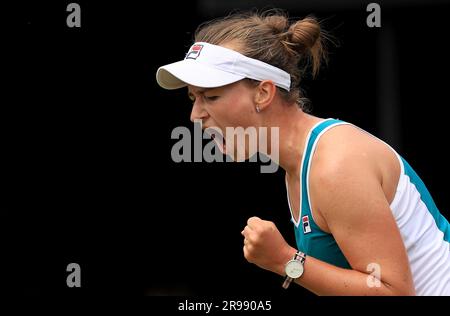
198,112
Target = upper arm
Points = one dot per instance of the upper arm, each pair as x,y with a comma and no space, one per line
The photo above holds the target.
351,200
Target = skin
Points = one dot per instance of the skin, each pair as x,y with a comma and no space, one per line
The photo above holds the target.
353,179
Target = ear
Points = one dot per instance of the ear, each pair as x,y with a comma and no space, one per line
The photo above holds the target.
265,92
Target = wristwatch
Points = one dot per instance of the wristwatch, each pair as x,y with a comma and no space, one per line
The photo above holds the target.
294,268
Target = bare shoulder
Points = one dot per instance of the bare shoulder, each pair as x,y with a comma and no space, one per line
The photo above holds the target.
348,156
344,148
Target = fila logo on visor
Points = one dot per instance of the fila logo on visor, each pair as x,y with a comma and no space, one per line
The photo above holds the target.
194,52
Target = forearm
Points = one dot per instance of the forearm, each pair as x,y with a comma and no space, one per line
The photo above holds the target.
322,278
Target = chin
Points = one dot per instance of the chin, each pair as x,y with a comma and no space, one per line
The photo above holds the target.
239,158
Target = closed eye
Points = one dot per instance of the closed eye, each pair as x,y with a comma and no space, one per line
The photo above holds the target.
211,98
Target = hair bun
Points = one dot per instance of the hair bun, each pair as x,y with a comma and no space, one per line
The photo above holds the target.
305,33
304,37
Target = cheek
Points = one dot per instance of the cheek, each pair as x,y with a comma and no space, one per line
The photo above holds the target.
237,111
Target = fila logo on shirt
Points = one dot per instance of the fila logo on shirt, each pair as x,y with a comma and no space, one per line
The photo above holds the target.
305,223
194,52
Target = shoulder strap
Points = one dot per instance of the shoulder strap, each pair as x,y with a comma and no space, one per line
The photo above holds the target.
314,137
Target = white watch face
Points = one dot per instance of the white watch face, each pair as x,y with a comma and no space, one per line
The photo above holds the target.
294,269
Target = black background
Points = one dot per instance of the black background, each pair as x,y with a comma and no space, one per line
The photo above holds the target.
87,173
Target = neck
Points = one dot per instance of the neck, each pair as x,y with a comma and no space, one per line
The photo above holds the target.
294,128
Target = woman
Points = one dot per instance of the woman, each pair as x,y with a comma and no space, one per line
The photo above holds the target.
364,222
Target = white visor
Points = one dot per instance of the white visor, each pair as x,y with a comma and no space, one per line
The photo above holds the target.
210,66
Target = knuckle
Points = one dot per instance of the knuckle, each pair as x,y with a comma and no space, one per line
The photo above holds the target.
253,220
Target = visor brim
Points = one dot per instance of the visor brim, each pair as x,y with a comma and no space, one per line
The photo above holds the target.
188,72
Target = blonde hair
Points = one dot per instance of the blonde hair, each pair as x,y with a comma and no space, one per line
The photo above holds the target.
294,46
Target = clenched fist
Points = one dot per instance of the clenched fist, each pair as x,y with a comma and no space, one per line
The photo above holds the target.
265,246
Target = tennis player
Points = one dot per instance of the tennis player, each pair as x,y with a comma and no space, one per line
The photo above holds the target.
365,224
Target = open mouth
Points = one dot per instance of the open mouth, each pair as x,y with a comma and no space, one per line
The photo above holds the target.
218,138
